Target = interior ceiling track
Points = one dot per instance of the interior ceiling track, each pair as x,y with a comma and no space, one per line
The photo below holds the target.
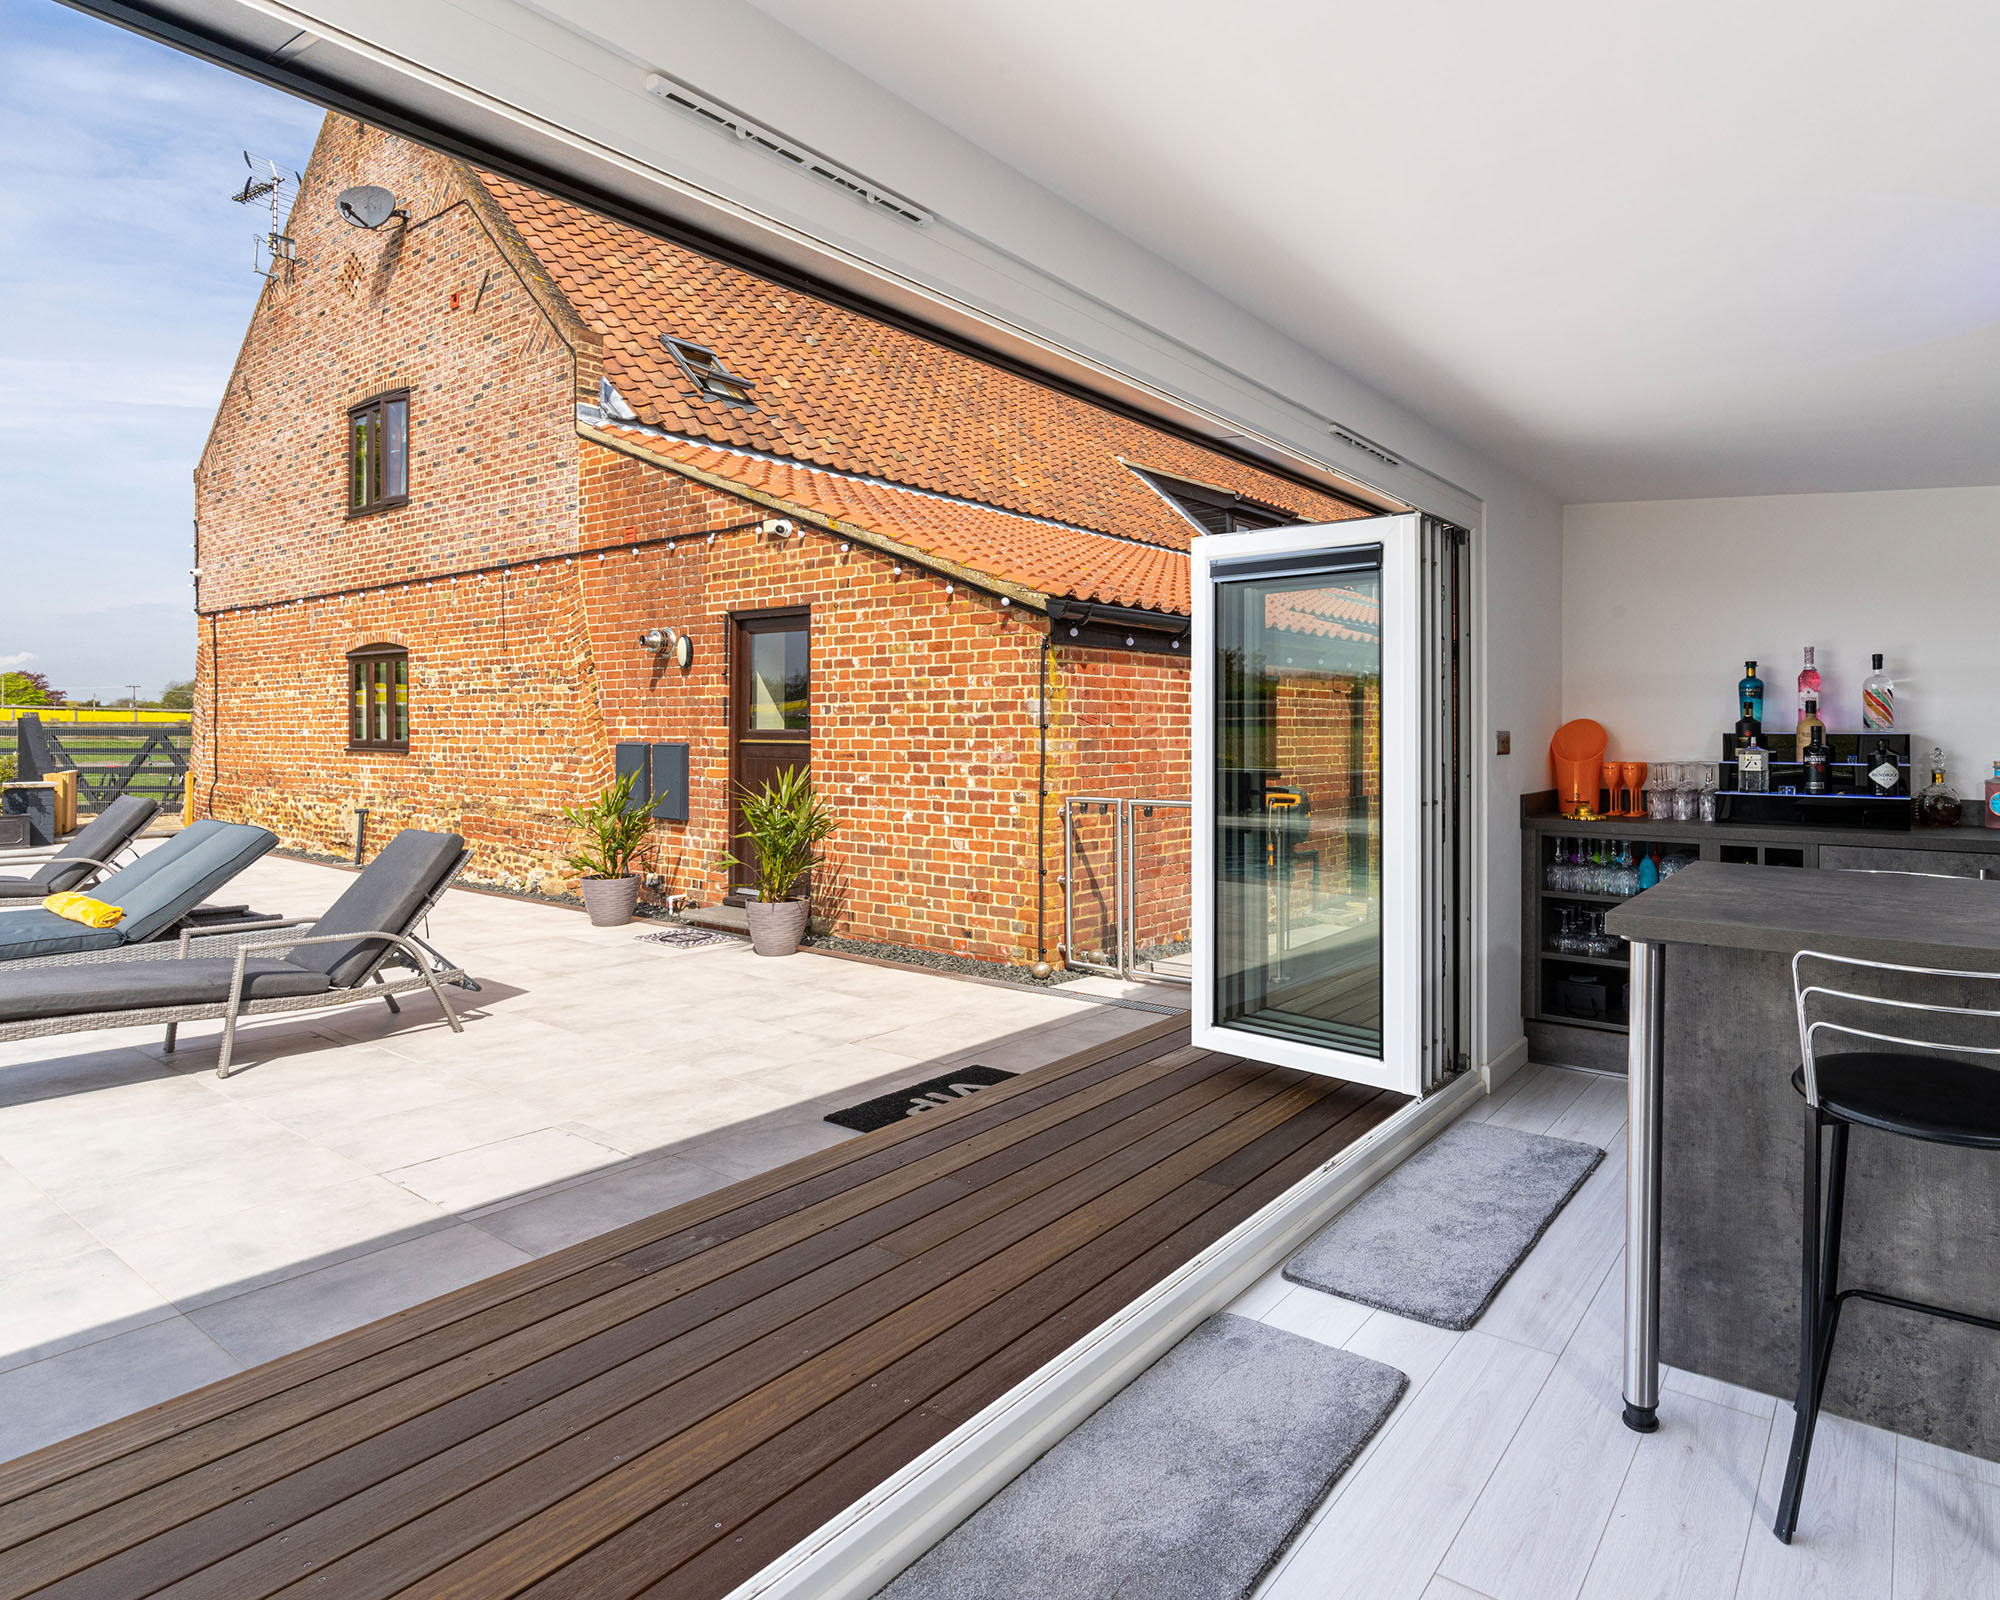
294,77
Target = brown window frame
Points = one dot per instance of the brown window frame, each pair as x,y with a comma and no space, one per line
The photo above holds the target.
365,675
375,407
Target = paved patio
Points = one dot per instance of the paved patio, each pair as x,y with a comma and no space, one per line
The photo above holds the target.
164,1227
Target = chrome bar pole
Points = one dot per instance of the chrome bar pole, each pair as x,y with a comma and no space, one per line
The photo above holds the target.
1642,1191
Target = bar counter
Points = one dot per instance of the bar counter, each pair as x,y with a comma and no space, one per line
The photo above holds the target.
1716,1184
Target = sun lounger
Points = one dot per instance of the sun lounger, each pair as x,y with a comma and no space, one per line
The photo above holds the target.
338,959
155,892
87,856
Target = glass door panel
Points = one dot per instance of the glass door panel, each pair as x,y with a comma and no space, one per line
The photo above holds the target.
1305,821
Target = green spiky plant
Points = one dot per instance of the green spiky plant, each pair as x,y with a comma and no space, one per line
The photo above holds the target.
613,829
784,823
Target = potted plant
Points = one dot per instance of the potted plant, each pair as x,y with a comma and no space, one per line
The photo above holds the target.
784,825
614,832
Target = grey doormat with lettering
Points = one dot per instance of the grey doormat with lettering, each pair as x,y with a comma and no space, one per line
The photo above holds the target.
1187,1485
1437,1238
917,1099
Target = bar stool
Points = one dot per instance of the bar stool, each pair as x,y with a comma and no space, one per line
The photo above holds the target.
1943,1098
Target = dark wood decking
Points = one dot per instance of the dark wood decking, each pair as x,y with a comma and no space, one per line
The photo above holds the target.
664,1410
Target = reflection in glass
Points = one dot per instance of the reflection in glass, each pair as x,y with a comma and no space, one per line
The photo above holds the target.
1298,733
780,681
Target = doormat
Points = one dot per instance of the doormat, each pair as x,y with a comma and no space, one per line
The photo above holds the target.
1437,1238
918,1098
687,938
1186,1485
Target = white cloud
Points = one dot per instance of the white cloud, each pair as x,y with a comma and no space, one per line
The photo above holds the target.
20,658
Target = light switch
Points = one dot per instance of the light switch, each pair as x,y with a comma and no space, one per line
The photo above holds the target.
1503,742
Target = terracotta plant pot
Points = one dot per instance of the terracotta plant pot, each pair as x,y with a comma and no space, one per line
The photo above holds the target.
610,900
775,926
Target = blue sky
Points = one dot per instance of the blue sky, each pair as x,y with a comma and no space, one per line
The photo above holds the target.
127,283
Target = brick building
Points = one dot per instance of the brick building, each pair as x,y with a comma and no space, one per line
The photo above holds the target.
468,460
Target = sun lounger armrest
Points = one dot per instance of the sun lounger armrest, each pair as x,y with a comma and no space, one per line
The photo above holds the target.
257,924
403,942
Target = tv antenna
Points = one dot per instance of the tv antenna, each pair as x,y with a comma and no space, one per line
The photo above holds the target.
272,253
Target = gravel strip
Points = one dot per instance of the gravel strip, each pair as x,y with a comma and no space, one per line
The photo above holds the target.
939,961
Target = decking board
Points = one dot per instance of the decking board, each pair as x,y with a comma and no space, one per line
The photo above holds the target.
670,1406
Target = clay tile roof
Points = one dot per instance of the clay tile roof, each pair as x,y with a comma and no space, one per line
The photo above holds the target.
1041,556
840,391
1326,613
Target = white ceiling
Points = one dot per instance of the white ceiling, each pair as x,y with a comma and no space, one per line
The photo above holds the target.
1636,250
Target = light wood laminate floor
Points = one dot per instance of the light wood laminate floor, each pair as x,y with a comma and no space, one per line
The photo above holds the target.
1505,1473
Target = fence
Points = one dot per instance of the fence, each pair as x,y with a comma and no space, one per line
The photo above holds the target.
1125,887
144,758
9,715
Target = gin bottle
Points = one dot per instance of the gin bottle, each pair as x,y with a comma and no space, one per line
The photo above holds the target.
1816,759
1878,700
1883,775
1750,694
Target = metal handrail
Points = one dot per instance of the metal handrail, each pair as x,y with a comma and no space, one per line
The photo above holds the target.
1124,885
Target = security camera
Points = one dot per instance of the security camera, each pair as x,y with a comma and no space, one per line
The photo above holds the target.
776,525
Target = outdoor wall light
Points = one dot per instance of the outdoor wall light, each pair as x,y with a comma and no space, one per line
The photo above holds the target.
663,640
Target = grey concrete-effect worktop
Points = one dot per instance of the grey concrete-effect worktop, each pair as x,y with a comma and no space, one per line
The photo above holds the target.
1923,1220
1879,916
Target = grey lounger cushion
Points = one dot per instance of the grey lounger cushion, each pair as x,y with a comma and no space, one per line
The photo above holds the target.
180,874
388,894
140,985
154,893
31,931
115,827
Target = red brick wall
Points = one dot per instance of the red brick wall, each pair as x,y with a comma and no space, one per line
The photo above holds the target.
503,720
925,704
492,382
1120,730
923,715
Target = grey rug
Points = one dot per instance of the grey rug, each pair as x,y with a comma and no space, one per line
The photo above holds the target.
1437,1238
1187,1485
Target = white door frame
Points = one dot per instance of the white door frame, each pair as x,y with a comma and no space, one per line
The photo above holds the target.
1399,537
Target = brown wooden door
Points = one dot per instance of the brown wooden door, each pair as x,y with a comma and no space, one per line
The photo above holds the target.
770,709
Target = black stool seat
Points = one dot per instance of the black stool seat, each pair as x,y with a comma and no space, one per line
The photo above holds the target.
1939,1098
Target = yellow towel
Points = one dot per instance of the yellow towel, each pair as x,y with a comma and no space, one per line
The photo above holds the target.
81,908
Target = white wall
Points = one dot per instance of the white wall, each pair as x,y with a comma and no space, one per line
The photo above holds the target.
1662,601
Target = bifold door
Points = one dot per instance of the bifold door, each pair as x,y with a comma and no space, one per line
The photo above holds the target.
1313,929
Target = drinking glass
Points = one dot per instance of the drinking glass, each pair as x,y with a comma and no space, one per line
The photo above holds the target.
1687,804
1659,801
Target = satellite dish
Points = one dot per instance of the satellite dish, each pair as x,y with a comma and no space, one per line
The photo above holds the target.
366,205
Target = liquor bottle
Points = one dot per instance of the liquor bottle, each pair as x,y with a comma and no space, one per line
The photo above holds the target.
1753,767
1750,694
1809,722
1883,774
1816,759
1878,700
1990,816
1937,806
1809,683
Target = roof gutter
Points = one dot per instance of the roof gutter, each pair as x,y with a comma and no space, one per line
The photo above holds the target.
1087,625
1010,594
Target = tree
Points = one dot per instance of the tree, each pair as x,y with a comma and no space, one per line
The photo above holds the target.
178,695
29,689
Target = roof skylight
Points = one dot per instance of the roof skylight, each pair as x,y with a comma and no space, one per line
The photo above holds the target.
704,369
